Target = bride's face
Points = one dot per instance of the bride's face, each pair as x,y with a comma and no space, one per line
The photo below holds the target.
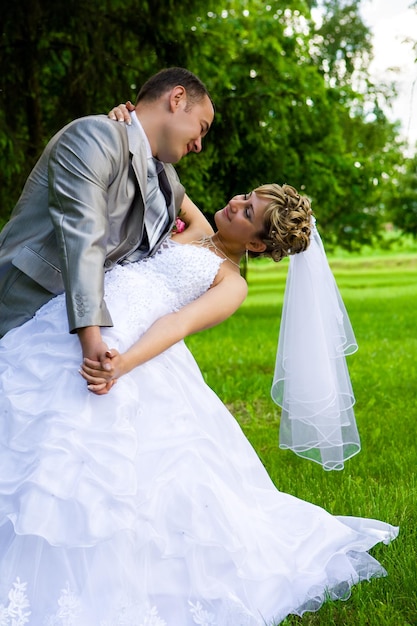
242,218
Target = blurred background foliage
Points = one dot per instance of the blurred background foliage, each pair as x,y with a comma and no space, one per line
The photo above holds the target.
294,99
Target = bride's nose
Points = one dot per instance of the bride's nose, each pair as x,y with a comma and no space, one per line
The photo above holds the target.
235,203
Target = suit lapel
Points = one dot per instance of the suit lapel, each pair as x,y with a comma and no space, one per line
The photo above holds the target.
139,158
139,163
137,149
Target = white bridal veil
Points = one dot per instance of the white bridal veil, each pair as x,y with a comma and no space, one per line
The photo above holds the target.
311,381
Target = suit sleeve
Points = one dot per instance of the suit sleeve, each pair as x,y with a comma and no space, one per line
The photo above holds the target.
83,164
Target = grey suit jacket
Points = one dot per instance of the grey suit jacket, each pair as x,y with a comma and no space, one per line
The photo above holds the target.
80,212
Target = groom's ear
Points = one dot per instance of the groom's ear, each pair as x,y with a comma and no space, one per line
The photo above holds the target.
177,96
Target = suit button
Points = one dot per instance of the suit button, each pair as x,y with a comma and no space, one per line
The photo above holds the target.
108,263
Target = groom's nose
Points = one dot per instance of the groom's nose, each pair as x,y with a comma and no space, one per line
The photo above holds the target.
197,145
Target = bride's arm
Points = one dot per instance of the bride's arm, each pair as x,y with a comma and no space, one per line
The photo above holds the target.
196,225
121,112
214,306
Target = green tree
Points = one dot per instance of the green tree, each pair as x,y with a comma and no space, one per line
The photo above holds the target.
65,59
289,112
401,200
294,101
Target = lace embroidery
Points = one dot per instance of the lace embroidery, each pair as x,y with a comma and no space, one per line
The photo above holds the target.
57,303
127,613
14,613
201,616
231,611
68,611
236,613
152,287
135,615
176,275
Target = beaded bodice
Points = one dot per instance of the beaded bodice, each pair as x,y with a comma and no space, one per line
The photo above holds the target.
176,275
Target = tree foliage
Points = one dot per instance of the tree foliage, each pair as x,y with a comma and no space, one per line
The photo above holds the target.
401,202
293,98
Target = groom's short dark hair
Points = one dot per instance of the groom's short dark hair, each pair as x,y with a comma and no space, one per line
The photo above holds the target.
166,79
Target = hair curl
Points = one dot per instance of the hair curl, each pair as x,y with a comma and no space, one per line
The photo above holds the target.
287,221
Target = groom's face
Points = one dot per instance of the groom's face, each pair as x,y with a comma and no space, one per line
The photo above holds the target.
186,128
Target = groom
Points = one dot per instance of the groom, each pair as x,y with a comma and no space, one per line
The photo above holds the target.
95,199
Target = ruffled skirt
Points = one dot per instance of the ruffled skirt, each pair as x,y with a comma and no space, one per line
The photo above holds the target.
148,506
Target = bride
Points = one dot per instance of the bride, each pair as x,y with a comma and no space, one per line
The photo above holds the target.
142,503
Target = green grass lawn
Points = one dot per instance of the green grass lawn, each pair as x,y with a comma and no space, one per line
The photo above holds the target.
237,360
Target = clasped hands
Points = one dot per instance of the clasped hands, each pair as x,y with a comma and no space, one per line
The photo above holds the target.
101,378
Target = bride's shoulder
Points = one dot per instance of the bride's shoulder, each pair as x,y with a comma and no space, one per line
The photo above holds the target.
231,279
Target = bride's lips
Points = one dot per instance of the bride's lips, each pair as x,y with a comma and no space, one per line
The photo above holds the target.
226,212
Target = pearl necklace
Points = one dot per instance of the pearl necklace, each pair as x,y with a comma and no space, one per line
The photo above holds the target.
207,241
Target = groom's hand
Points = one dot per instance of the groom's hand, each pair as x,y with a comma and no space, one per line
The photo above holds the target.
100,380
93,347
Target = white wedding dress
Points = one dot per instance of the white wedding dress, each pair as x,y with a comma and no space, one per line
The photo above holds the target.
148,506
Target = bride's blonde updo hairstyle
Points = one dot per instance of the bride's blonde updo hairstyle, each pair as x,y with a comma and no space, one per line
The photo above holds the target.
287,221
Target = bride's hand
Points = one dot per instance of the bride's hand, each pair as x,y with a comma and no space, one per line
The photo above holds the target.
121,113
100,380
100,389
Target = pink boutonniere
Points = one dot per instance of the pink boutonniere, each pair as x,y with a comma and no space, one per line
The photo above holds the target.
179,226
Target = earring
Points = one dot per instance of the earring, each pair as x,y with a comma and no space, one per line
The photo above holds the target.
247,257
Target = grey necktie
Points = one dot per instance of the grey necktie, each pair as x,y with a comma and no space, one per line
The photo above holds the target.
156,212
